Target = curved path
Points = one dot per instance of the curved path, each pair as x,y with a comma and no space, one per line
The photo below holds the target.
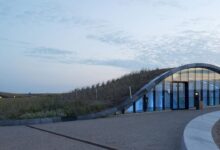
198,133
158,130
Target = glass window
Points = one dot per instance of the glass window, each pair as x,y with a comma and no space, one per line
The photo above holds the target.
167,92
175,96
150,104
205,87
199,80
217,85
218,78
139,105
184,75
191,87
130,109
159,96
211,88
176,76
202,80
182,96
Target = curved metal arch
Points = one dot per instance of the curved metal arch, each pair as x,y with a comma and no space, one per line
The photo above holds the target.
147,87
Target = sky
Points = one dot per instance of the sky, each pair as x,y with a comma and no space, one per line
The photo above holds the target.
60,45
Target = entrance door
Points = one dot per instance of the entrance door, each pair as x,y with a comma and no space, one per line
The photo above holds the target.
180,98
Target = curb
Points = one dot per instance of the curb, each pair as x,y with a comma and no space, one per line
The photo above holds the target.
198,133
29,121
96,115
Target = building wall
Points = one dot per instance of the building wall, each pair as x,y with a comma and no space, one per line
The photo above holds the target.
170,93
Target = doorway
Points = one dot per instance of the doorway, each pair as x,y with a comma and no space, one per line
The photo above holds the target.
180,98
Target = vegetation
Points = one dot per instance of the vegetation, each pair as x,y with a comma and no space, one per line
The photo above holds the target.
78,102
45,106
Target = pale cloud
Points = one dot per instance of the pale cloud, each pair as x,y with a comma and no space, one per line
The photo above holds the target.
186,47
70,57
54,55
49,51
122,35
127,64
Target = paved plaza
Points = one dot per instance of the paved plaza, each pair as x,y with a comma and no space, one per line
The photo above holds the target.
157,130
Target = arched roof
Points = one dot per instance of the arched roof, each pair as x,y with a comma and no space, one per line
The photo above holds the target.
148,86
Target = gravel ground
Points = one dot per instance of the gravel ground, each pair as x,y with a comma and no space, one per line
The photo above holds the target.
24,138
151,131
216,133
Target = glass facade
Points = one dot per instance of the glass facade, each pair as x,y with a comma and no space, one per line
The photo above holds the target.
205,86
192,86
178,91
139,105
217,89
159,96
150,102
167,90
211,88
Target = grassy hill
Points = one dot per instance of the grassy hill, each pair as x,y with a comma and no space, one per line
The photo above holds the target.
78,102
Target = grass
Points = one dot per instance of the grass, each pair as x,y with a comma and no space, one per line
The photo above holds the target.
49,106
78,102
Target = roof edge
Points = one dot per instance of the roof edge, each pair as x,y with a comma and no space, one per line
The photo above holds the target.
147,87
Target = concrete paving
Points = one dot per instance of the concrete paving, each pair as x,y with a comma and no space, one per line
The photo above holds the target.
157,130
24,138
198,132
216,133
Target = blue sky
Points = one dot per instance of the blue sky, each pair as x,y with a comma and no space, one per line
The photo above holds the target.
57,45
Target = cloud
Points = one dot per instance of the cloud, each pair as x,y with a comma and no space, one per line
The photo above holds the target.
155,3
126,63
187,47
161,51
14,41
166,51
52,54
18,45
49,51
197,21
70,57
44,12
118,38
170,3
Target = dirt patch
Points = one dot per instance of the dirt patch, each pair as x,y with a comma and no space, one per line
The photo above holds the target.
216,133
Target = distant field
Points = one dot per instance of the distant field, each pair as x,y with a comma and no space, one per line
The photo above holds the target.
78,102
45,106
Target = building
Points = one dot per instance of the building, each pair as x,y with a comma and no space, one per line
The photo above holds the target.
178,88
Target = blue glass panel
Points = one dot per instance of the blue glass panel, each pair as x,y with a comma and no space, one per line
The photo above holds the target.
218,88
150,104
130,109
205,87
139,105
175,101
191,87
159,96
217,85
182,97
211,88
199,80
211,98
167,92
